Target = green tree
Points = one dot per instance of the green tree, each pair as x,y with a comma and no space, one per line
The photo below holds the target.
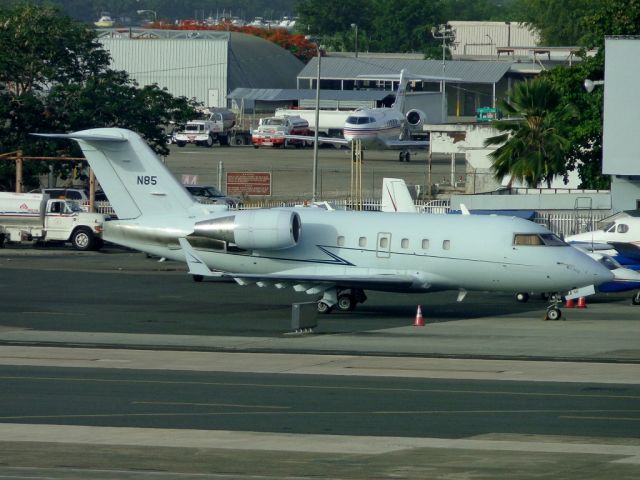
532,146
56,78
558,21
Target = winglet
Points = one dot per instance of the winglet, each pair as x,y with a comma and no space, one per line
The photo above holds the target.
197,266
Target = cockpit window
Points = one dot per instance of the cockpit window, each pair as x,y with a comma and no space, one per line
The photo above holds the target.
623,228
353,120
547,239
552,240
609,227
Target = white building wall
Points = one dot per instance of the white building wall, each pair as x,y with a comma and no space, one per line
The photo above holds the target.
483,38
191,68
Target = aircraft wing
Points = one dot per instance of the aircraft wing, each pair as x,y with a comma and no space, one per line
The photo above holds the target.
628,250
592,246
309,138
318,283
403,144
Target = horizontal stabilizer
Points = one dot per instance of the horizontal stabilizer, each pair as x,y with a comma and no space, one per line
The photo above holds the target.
102,137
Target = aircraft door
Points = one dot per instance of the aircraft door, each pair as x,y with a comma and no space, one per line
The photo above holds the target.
383,245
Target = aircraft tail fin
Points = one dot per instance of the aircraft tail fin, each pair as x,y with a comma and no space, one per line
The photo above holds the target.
404,77
136,182
396,196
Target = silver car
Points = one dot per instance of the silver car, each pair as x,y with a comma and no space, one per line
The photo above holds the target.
210,194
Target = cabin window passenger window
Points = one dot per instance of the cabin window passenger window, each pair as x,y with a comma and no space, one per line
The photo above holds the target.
341,241
404,243
425,244
384,242
446,244
623,228
362,242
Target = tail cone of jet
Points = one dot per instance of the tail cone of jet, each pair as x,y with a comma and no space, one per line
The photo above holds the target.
419,321
569,303
582,303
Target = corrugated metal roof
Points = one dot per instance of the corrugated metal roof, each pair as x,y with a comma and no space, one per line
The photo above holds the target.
350,68
255,62
289,94
204,65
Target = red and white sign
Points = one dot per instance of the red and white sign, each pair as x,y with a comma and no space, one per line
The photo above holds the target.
248,183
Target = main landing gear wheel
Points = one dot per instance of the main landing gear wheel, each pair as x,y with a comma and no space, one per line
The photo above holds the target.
522,297
346,303
404,157
636,299
198,278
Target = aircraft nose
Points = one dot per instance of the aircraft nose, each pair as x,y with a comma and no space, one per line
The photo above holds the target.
597,272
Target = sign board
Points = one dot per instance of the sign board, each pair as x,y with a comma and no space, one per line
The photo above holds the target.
620,140
189,179
248,183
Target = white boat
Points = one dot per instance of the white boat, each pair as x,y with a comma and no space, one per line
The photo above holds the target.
105,21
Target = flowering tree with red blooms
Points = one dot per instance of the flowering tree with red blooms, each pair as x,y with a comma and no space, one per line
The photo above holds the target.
297,44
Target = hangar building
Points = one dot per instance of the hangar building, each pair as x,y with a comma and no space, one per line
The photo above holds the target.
203,64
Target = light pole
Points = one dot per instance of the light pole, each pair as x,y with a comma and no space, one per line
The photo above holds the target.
355,26
155,15
314,179
444,34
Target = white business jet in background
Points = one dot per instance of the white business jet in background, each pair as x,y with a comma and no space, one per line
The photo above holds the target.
336,255
384,128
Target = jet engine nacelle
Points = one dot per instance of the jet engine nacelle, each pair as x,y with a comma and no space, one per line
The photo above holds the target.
415,117
254,229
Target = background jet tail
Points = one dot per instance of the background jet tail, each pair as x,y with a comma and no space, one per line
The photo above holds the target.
405,77
396,196
136,182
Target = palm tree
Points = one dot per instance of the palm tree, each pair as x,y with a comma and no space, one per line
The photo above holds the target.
532,147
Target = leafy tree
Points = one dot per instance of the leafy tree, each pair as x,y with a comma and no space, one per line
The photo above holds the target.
56,78
604,17
532,145
558,21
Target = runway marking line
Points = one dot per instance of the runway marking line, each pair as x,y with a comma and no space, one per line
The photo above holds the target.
316,413
584,417
326,387
210,404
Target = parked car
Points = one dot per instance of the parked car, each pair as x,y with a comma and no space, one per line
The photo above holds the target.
210,194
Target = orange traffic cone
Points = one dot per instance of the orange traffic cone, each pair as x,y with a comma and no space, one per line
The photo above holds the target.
582,303
419,321
569,303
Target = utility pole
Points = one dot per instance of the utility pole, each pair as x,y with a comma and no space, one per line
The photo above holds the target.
445,34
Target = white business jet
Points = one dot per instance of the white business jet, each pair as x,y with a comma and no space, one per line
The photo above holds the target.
330,253
620,237
383,128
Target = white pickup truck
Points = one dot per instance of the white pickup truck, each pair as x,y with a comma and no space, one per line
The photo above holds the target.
30,217
215,128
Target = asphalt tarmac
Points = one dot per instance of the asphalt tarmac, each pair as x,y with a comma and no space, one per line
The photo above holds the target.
292,169
115,365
